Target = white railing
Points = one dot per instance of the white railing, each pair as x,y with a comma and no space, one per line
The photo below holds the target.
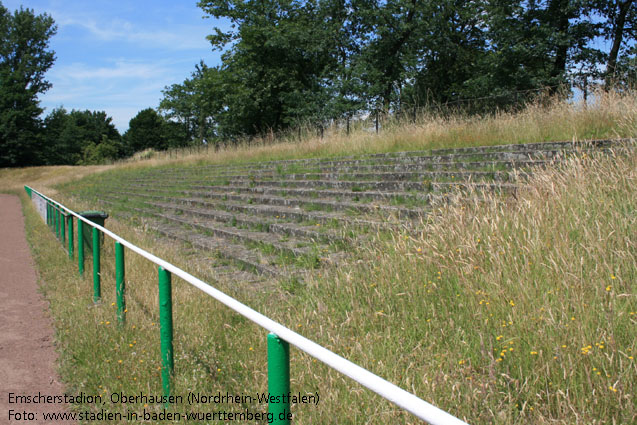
380,386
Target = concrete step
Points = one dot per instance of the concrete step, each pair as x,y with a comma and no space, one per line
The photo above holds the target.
253,259
310,204
219,270
281,229
286,214
415,164
351,190
379,172
523,149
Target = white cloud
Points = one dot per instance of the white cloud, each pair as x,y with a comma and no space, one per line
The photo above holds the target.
122,88
121,69
180,37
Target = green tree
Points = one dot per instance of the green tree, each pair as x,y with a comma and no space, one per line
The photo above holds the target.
105,151
66,135
197,105
146,130
620,29
275,65
24,59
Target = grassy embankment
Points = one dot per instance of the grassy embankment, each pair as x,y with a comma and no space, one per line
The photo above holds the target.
508,311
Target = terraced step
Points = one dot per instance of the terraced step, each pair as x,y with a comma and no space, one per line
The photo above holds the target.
208,223
283,218
564,145
309,204
232,220
280,213
413,164
547,149
394,192
356,192
219,243
445,171
218,269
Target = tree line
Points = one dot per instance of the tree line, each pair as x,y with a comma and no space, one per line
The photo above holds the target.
288,63
62,137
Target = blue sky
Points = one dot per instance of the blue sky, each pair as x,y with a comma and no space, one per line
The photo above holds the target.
117,56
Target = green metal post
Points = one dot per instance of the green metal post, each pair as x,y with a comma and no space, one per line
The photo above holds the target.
120,283
166,328
279,378
48,214
57,221
80,246
62,227
70,230
97,291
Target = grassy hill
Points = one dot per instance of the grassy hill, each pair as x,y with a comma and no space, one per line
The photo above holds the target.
507,298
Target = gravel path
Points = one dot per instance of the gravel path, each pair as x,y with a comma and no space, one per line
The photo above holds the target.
27,354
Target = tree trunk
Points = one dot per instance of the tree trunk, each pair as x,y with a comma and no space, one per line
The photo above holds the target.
559,14
618,35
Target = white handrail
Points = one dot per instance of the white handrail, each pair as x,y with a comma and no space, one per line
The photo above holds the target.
380,386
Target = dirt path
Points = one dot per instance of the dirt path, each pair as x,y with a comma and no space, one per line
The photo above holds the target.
27,354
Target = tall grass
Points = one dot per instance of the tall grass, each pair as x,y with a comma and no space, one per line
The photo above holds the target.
607,115
515,310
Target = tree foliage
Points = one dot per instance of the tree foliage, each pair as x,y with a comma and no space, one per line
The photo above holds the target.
288,62
24,59
67,136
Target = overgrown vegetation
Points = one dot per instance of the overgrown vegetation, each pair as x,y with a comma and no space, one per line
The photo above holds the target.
515,310
511,311
293,67
605,115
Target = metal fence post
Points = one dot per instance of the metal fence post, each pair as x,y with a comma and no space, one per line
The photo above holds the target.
57,222
62,227
120,283
279,379
166,328
80,246
97,291
70,230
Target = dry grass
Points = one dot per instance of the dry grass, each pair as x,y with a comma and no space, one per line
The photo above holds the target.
521,311
44,178
609,115
503,313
